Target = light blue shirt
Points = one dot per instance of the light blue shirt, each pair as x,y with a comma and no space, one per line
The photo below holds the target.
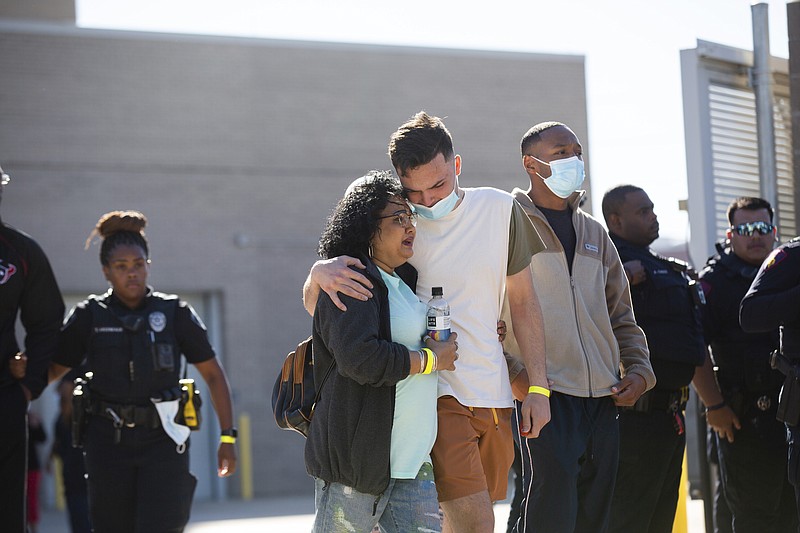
414,427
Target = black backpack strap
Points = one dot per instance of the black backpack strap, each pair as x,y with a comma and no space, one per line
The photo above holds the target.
322,383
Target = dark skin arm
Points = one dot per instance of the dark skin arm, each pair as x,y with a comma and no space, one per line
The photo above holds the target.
217,383
17,365
723,420
635,272
628,390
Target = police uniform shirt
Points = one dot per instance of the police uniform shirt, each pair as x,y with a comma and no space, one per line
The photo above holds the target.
76,335
741,357
667,312
774,298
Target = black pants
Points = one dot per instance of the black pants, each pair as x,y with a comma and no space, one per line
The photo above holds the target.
141,485
13,458
753,471
794,462
649,473
574,463
722,514
516,467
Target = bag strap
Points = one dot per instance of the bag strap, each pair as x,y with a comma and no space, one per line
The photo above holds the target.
324,379
300,359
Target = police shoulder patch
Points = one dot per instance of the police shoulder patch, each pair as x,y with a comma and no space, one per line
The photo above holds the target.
777,255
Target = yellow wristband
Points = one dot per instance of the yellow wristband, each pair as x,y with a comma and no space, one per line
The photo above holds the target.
534,389
430,360
227,439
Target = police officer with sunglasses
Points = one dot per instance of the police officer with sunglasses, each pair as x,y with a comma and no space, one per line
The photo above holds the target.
737,385
773,301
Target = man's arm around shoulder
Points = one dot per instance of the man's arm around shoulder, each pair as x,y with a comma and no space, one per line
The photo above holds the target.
334,276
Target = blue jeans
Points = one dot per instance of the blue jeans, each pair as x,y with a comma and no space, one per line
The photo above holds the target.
406,505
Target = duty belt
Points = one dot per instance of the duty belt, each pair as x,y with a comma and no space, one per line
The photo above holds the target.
662,400
127,415
741,402
669,402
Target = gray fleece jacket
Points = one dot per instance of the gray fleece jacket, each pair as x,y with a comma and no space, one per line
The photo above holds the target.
591,335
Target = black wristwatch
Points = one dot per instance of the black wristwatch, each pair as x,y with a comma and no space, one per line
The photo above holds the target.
229,433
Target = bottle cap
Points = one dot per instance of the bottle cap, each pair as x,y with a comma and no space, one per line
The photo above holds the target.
436,291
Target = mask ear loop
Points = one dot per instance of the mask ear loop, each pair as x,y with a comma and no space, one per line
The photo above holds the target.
533,169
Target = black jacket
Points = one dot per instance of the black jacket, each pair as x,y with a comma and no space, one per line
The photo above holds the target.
27,286
349,438
774,298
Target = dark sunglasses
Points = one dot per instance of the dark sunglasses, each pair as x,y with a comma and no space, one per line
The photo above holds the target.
749,228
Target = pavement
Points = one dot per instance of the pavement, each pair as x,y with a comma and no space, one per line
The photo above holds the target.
290,515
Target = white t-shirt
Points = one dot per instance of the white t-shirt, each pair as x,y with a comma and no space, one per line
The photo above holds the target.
466,253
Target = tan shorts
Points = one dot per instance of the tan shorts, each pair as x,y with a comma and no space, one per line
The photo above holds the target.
473,451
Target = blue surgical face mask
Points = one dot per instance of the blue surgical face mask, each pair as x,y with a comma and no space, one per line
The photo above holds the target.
440,208
566,175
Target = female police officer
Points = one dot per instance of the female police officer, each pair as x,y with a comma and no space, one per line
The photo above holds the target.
133,338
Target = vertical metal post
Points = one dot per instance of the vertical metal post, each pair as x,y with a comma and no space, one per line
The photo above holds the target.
765,123
793,22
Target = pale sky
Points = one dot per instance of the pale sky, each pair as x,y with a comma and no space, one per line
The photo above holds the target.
632,50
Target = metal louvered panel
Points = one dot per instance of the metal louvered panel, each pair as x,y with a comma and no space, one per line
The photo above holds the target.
722,144
783,153
734,148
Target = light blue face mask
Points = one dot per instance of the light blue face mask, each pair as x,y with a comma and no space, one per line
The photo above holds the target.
566,175
440,208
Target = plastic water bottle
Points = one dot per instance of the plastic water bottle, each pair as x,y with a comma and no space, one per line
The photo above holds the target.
438,316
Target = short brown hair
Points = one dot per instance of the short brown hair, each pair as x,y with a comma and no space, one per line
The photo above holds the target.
418,141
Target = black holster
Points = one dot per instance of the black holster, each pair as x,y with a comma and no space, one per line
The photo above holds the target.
789,401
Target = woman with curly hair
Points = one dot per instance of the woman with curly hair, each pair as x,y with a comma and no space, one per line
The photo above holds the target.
136,438
374,425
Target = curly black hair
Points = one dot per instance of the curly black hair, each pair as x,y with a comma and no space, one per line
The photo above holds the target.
354,221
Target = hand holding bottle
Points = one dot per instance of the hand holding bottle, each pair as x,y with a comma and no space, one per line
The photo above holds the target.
446,351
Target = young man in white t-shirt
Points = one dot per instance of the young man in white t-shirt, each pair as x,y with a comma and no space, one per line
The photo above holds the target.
476,244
